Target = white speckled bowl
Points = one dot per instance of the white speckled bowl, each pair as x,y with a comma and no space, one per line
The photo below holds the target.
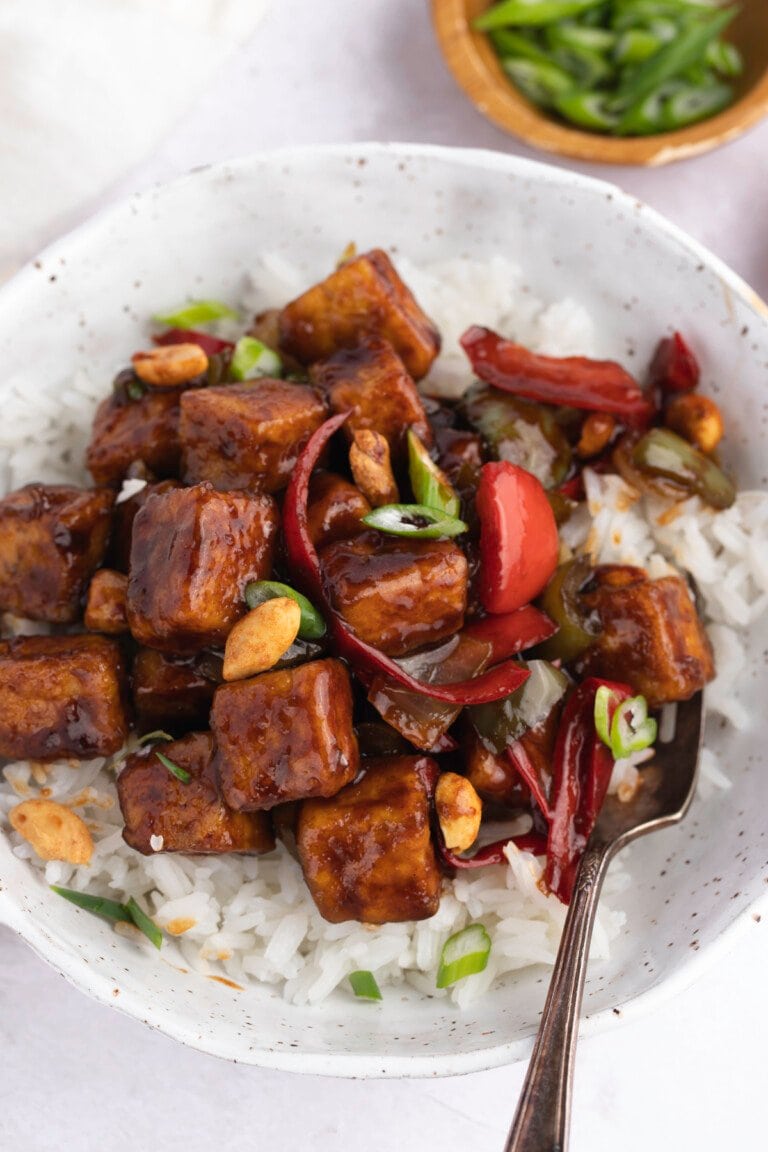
87,299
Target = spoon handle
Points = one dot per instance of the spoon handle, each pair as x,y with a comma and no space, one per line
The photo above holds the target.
542,1119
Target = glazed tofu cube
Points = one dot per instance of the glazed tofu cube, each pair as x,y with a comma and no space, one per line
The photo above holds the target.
106,607
365,296
165,814
173,691
193,551
397,594
371,382
651,636
285,735
61,696
52,539
123,515
247,435
367,854
126,430
334,509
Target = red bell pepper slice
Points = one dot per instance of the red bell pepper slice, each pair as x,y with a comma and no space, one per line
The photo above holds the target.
595,385
581,774
512,632
518,537
674,367
305,565
211,345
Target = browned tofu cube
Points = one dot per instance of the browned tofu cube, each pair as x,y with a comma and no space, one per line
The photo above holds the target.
365,296
367,853
371,382
61,696
285,735
651,636
52,539
126,430
335,508
123,515
247,435
398,594
192,553
106,606
173,691
184,816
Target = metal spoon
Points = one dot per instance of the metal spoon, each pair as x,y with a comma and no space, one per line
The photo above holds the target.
542,1119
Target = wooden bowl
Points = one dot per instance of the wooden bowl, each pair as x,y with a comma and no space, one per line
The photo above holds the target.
476,68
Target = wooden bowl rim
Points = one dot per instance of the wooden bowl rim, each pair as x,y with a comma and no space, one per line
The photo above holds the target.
498,100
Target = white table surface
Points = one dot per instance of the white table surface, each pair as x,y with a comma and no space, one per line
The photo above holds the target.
690,1076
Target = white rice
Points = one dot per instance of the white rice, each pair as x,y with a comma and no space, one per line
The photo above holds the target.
252,918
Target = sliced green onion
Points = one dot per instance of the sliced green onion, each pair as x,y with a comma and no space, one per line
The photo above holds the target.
632,729
604,697
510,43
152,737
725,58
251,359
195,313
587,109
135,390
530,12
364,985
540,82
464,954
174,769
312,626
636,45
144,923
99,905
568,34
429,483
414,520
692,103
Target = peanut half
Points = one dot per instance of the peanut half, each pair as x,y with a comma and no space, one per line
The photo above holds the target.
697,419
257,642
171,365
371,468
459,811
55,832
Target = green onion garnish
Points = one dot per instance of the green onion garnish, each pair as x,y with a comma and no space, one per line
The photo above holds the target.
429,484
312,626
415,520
251,358
195,313
135,390
174,769
144,923
364,985
152,737
129,913
630,730
99,905
464,954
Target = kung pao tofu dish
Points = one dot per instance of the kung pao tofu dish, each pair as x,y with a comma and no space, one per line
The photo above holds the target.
304,600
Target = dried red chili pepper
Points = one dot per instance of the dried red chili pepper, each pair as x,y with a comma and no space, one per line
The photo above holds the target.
595,385
674,367
305,566
211,345
581,773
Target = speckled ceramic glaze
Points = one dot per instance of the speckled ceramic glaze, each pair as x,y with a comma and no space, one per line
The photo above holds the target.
87,298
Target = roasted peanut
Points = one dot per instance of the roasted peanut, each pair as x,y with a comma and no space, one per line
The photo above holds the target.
171,365
55,832
596,432
459,811
105,609
371,468
257,642
697,419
